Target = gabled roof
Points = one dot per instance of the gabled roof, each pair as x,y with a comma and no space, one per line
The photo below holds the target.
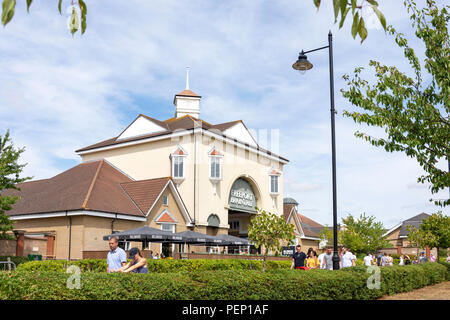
309,227
186,122
92,186
87,186
144,192
415,221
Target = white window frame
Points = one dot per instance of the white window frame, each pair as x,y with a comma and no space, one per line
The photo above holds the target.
212,163
166,200
278,184
176,159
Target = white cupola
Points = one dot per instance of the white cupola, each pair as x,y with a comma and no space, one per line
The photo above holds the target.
187,101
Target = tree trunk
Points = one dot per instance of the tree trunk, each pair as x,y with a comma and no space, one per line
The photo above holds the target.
437,255
264,262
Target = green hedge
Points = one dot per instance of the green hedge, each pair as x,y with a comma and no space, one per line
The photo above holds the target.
447,265
349,283
159,266
16,260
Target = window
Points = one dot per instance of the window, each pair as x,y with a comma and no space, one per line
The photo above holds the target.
234,225
215,168
168,227
166,200
273,184
177,171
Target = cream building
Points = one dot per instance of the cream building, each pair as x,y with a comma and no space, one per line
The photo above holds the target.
214,176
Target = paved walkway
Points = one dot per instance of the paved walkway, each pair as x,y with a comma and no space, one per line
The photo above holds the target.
440,291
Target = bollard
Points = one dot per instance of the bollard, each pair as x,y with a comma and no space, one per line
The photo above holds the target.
9,264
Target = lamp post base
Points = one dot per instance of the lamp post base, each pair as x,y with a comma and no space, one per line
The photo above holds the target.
335,261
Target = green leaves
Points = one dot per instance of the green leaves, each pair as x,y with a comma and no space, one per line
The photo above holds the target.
380,16
9,176
342,8
415,115
269,231
28,5
83,9
355,25
8,7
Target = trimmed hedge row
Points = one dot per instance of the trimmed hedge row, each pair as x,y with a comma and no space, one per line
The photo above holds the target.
159,266
349,283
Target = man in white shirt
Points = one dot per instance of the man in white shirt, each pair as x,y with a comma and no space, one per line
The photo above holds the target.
347,258
321,256
368,260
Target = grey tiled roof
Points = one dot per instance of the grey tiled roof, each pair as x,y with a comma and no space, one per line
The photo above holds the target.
415,221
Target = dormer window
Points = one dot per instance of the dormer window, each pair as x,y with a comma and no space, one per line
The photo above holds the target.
273,184
274,181
178,156
178,167
215,167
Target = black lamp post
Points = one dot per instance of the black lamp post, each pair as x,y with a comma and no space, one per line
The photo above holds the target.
302,65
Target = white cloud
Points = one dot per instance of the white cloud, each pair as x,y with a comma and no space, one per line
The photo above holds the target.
58,94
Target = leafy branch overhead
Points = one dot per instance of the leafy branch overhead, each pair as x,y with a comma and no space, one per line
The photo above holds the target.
343,7
414,113
8,7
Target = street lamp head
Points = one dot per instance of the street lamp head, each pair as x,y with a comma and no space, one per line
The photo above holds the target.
302,64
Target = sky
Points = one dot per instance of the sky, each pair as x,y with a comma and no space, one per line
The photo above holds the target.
59,93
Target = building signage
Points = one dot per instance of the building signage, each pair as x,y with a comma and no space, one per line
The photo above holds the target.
288,251
242,196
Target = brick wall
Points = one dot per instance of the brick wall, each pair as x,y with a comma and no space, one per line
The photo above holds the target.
8,247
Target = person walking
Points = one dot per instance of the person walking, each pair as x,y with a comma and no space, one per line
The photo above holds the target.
423,258
390,260
298,258
321,257
327,262
368,260
379,257
432,258
312,262
407,260
347,258
138,263
384,260
116,257
402,261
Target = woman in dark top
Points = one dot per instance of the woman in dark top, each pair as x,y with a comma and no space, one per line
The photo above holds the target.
138,264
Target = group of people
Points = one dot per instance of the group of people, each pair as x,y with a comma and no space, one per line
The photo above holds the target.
311,260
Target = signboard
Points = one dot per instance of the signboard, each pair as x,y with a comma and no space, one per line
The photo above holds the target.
242,196
288,251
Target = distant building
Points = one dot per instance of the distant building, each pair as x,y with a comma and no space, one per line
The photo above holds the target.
398,235
306,230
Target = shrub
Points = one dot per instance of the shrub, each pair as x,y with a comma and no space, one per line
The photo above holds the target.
158,266
349,283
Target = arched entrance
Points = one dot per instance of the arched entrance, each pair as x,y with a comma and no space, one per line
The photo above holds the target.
242,201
